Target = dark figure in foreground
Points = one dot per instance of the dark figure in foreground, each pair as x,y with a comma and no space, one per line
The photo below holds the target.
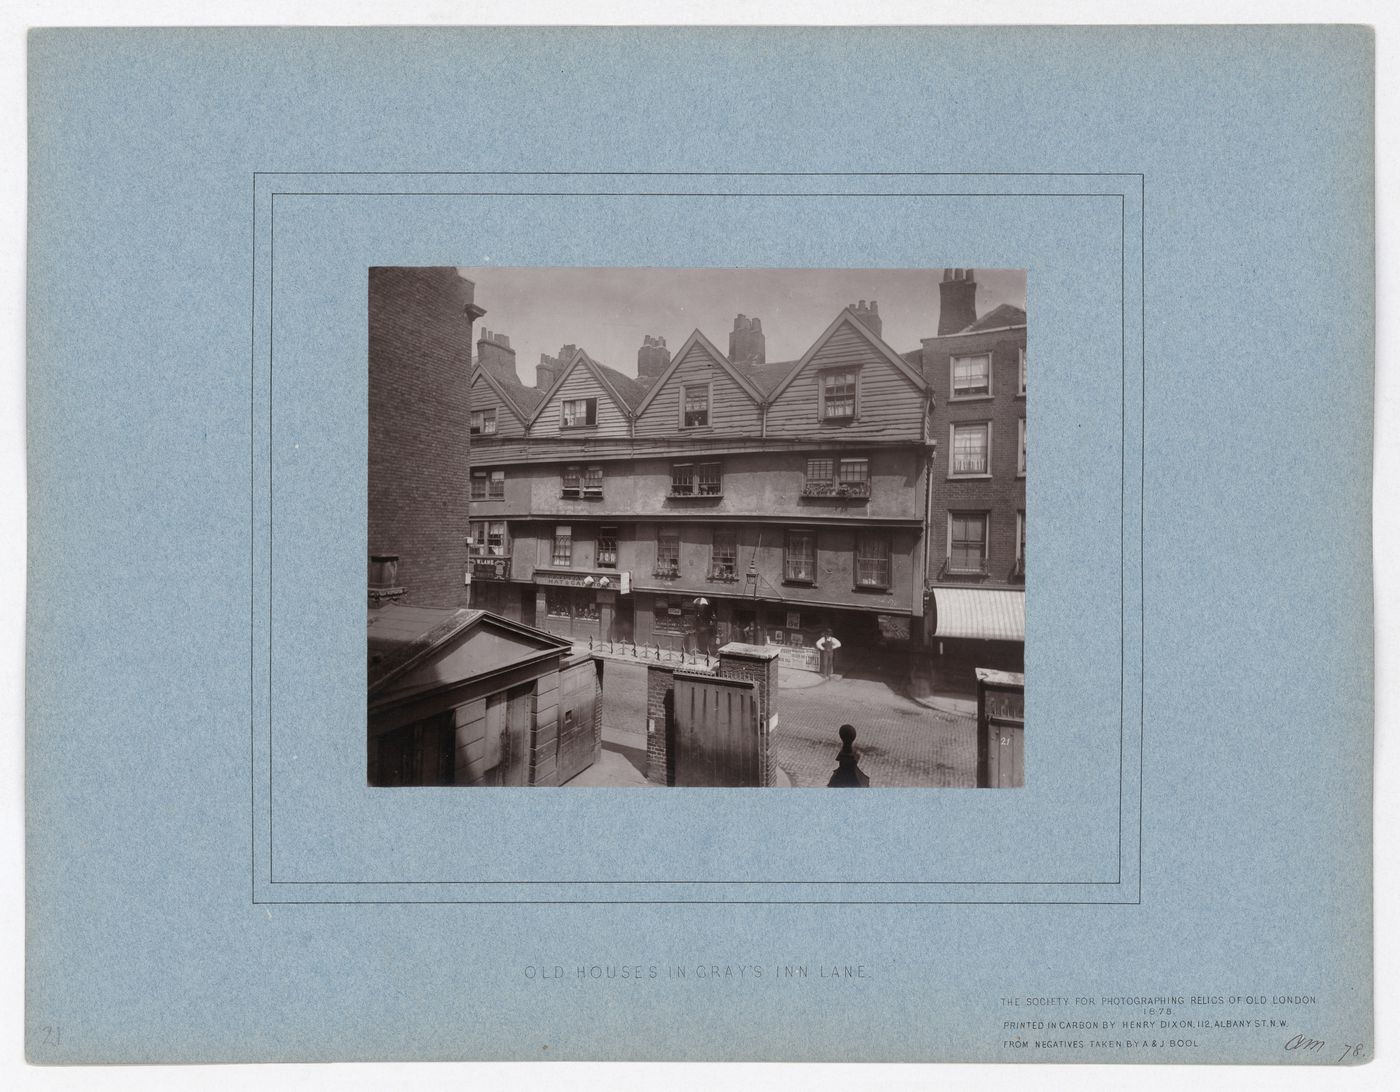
848,773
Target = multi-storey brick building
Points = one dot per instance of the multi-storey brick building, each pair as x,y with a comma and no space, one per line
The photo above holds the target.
454,696
420,338
715,497
976,370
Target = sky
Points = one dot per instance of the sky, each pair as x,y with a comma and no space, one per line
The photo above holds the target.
608,311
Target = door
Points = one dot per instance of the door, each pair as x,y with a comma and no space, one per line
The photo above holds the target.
527,604
508,726
580,742
718,742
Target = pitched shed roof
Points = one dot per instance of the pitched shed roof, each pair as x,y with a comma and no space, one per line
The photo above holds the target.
403,640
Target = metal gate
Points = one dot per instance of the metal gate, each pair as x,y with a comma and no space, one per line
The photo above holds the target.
580,743
717,740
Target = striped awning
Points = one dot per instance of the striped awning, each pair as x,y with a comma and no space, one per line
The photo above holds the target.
986,614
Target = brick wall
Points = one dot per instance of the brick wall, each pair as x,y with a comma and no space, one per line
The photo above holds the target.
660,705
1002,495
758,665
419,428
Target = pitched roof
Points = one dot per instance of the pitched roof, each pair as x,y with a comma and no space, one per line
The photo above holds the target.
527,398
519,397
629,390
767,376
622,389
696,339
1002,315
847,317
401,636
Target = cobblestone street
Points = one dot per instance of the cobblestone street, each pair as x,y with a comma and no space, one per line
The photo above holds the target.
901,743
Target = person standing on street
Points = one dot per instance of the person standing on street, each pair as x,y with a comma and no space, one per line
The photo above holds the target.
827,646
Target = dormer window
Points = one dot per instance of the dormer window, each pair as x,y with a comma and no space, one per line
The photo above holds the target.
578,412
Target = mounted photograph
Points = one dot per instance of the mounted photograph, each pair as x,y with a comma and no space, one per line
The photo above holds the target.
738,528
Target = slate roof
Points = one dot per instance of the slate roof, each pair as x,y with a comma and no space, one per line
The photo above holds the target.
1003,315
628,389
525,398
767,376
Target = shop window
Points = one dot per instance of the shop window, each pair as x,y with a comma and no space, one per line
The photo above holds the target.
872,559
668,616
558,602
800,557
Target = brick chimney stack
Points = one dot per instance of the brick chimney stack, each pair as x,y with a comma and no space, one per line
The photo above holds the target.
869,316
958,301
653,357
746,342
551,367
493,352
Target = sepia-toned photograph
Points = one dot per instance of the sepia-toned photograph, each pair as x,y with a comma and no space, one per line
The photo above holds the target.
741,528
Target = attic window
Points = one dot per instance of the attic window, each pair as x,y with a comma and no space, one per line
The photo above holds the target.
839,391
695,405
483,422
578,412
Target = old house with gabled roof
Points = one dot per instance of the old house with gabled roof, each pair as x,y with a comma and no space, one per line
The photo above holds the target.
717,496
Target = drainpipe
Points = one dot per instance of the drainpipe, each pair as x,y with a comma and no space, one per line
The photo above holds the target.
931,462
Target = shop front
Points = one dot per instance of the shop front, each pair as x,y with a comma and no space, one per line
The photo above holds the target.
703,623
583,604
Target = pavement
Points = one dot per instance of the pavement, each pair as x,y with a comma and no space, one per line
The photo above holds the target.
902,742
